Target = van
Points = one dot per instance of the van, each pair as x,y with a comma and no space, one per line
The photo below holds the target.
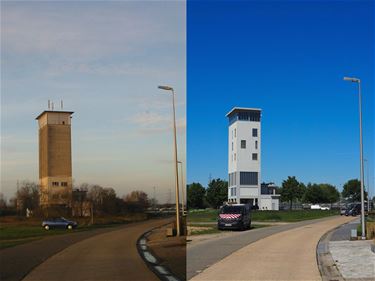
235,216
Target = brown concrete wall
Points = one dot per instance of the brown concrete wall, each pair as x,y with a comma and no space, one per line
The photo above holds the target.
59,151
43,152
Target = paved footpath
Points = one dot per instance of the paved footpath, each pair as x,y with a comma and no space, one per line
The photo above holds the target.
108,257
354,259
289,255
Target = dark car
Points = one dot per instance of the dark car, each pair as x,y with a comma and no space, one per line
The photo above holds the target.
58,223
236,216
353,210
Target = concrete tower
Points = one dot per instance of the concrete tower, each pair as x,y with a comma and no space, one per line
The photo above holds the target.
244,152
55,158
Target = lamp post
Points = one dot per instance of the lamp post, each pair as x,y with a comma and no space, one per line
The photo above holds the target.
168,88
182,188
358,81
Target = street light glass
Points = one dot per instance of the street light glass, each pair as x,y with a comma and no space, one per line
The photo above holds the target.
167,88
352,79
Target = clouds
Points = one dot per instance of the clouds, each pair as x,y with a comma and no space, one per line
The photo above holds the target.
82,30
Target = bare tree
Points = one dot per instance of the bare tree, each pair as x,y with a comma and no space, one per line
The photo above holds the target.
136,201
27,196
3,201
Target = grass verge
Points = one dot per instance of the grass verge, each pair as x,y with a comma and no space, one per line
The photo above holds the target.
200,229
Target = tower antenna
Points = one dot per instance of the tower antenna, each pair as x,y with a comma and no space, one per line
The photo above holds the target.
52,106
49,104
62,105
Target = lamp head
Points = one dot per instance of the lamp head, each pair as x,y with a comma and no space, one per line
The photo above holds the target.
352,79
167,88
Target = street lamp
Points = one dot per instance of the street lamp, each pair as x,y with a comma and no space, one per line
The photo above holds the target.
358,81
168,88
182,188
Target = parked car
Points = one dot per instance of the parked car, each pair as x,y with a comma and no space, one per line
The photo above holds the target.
318,207
343,211
236,216
58,223
353,210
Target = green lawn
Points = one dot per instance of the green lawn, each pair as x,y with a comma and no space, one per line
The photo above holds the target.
211,215
211,229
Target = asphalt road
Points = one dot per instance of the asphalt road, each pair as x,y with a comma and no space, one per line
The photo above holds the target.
205,253
287,255
108,256
17,261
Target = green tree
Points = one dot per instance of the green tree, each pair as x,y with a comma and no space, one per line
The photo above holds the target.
330,193
352,190
292,190
195,195
313,194
217,193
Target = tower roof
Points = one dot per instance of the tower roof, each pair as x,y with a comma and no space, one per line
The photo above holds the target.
53,111
242,109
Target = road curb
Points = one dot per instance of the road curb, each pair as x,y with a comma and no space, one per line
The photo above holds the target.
152,261
327,266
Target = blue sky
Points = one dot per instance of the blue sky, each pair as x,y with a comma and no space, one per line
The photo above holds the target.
288,58
105,60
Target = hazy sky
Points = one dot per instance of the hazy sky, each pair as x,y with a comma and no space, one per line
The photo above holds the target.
105,60
288,58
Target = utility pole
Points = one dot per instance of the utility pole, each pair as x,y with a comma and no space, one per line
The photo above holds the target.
168,88
154,200
358,81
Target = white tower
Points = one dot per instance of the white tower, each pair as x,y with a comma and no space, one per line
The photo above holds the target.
244,155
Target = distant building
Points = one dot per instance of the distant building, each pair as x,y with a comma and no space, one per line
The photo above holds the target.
55,158
244,159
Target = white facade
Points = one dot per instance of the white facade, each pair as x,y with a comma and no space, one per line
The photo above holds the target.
244,159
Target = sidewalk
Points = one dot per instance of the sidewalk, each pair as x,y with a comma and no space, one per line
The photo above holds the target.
353,259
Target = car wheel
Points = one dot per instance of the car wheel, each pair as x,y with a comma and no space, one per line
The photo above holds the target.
70,227
46,227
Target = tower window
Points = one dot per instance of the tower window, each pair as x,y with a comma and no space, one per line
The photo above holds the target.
63,122
55,183
232,146
255,132
256,144
255,156
235,157
243,143
64,183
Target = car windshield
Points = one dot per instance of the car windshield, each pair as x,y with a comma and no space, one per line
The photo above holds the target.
231,210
